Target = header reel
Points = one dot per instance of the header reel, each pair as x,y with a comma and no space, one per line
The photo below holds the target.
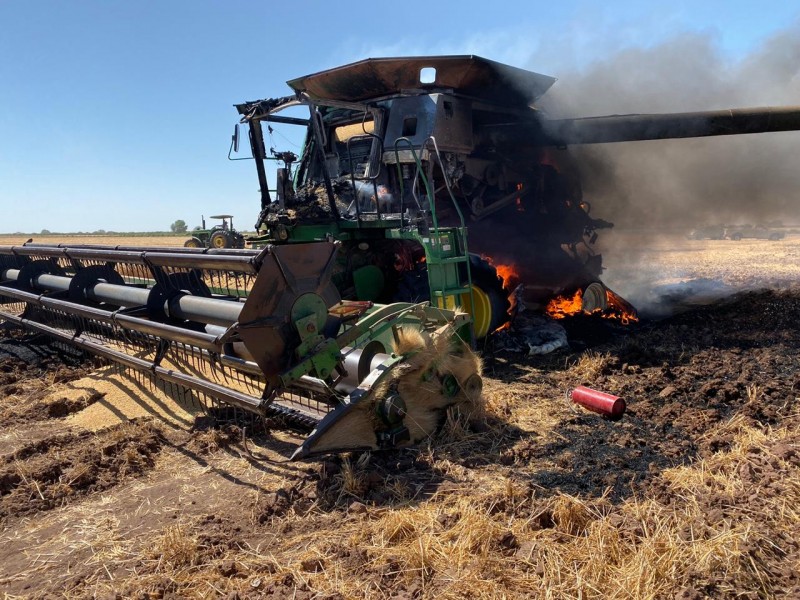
264,331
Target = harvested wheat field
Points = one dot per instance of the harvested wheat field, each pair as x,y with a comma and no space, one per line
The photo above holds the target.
11,239
112,488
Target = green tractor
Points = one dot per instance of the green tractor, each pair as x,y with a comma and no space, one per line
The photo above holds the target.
219,236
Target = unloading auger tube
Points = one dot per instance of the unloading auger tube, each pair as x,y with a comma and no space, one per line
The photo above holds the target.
264,331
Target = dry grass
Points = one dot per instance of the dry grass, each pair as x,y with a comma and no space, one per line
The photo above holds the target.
458,545
589,365
175,550
706,529
477,544
102,240
351,477
640,261
493,537
127,396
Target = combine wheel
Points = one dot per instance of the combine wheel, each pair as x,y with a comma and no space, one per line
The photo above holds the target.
193,242
491,300
594,298
220,239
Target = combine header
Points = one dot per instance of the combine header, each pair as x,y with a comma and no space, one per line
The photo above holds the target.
264,331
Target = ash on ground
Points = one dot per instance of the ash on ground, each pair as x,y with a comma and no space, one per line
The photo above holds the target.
531,334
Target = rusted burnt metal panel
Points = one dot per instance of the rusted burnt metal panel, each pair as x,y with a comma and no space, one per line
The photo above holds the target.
469,75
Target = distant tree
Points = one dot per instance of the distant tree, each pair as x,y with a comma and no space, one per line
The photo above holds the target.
179,226
45,232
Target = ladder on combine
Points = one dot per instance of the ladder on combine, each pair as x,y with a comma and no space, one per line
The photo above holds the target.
446,251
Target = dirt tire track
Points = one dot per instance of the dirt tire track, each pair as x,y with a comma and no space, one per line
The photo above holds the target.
58,470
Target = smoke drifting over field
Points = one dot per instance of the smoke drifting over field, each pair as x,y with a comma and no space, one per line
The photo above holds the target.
729,179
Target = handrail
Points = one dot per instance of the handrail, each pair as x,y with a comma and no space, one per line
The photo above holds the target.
418,175
372,178
446,179
458,211
432,201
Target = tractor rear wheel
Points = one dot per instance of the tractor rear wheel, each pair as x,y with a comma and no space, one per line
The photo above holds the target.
193,242
491,300
220,239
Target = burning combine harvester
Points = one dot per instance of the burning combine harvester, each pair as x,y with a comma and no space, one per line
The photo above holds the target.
355,319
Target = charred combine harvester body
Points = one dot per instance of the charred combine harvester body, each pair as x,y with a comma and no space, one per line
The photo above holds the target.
264,331
402,155
345,323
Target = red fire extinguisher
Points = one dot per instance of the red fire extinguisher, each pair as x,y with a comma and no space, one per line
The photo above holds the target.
610,406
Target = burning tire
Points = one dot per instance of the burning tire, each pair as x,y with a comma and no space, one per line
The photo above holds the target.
491,300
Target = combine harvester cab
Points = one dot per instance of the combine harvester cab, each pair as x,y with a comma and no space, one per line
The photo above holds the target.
263,331
396,147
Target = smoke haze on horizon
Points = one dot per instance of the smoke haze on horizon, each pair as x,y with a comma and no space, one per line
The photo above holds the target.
727,179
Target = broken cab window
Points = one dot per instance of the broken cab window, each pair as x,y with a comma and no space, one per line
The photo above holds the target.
344,132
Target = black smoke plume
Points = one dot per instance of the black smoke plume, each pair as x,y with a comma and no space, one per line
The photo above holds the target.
680,183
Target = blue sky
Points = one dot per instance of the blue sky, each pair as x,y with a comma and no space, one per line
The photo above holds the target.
118,115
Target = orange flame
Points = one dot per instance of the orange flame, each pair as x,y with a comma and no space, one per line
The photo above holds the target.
618,308
509,275
511,280
563,306
503,327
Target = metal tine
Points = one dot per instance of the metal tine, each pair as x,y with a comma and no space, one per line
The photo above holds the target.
13,308
194,400
203,400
